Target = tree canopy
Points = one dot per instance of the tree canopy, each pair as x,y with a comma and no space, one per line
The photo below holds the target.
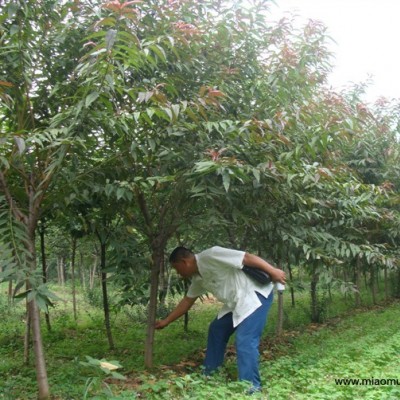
184,120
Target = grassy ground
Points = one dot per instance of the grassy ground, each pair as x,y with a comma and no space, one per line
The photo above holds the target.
302,364
316,364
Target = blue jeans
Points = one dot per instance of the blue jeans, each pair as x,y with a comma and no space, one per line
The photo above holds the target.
248,334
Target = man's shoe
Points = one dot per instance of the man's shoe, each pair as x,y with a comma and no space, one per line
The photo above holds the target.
254,391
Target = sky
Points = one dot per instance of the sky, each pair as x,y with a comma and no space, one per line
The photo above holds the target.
367,35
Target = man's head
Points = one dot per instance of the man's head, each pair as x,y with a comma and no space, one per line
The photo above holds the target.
184,261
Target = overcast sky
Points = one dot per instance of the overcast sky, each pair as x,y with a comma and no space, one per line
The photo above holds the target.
367,35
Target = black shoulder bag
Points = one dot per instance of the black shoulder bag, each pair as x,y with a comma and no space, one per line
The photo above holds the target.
257,274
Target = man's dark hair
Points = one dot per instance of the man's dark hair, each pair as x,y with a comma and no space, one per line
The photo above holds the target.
179,254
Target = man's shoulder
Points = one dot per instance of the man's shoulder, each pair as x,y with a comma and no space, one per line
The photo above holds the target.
215,250
211,253
217,257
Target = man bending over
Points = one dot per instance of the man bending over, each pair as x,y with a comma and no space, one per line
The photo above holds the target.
246,303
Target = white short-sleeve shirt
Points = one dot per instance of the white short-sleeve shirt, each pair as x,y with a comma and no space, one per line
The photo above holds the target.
220,274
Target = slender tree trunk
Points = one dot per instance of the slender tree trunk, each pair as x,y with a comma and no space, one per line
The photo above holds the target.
386,282
315,314
44,267
58,271
186,322
186,316
106,305
282,256
279,325
291,286
357,281
398,284
365,279
81,271
373,285
41,372
73,277
92,273
157,257
27,336
168,285
10,293
330,288
40,363
163,277
61,270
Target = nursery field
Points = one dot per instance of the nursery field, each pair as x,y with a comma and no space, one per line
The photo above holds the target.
352,355
128,128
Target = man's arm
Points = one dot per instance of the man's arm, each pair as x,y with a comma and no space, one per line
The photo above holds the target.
276,274
184,306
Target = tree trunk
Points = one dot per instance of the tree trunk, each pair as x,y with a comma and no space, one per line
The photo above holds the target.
186,322
157,257
315,313
163,277
386,282
357,281
365,278
106,305
61,271
398,284
279,325
186,316
373,285
41,373
168,285
10,293
81,271
27,336
44,268
291,286
73,277
92,273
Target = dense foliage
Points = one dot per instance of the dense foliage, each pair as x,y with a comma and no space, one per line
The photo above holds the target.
129,127
305,362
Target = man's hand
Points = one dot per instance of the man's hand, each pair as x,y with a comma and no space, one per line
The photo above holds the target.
277,275
184,306
161,324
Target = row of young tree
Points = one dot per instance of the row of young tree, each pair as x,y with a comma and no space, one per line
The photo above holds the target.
147,124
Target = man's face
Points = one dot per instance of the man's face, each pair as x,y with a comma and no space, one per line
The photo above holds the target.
183,268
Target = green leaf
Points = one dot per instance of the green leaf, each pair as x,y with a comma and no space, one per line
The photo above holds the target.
150,112
159,51
136,116
111,35
175,109
120,193
91,98
256,174
5,162
226,180
117,375
109,21
22,295
6,273
169,113
14,29
12,10
20,144
205,166
42,303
